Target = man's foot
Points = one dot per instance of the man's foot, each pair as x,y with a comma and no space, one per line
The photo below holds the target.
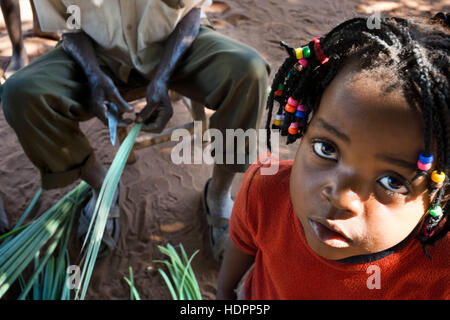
18,61
218,208
112,229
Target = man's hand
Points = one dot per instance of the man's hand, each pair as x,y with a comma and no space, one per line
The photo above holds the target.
102,93
158,110
102,89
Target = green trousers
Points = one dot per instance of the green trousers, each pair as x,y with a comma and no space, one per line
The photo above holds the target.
45,101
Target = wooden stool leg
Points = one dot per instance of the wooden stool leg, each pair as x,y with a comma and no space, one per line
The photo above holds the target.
122,134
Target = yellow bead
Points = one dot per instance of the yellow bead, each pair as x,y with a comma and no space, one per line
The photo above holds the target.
277,122
299,53
438,178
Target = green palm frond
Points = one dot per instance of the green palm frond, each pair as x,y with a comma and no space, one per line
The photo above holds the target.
182,283
134,294
52,230
24,243
102,208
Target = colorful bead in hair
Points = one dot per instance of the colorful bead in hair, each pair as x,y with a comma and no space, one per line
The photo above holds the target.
424,164
301,65
437,181
302,53
436,213
301,112
291,105
319,52
279,92
277,121
293,132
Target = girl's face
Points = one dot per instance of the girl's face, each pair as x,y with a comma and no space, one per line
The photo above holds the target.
351,182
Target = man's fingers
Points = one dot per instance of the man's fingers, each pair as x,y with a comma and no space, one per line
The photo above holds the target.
159,124
120,102
146,113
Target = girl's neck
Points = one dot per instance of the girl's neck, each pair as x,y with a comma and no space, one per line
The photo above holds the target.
368,258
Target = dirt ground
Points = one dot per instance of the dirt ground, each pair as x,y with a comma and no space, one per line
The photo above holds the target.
162,201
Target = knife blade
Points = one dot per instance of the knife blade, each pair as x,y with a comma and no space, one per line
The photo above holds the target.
112,122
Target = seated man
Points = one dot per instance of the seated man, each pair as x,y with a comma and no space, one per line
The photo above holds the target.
159,42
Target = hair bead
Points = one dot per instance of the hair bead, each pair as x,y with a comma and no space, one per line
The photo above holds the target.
300,114
437,177
292,102
303,62
301,107
299,53
426,159
319,52
277,121
424,166
436,212
293,128
306,52
290,109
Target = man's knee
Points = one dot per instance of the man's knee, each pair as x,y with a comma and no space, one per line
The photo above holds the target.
18,93
248,64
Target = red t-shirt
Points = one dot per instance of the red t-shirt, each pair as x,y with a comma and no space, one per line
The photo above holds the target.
264,224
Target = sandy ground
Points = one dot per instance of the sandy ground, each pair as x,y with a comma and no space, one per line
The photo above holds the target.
162,201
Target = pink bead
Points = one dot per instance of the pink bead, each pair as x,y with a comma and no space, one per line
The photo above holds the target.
301,107
303,62
423,166
294,125
292,102
427,233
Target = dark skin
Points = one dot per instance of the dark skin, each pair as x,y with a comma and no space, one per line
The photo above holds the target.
351,183
11,13
80,47
234,265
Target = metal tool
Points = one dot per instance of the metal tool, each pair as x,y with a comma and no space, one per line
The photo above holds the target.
112,122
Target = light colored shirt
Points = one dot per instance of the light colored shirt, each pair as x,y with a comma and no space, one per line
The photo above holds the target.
129,34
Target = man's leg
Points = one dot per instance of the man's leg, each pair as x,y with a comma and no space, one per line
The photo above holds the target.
230,78
37,31
43,104
11,13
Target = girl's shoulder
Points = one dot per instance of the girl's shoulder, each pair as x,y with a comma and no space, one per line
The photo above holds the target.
268,175
440,251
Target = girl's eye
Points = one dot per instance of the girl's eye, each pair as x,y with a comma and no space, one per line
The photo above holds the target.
394,185
325,150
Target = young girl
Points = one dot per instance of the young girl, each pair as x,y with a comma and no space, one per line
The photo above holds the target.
361,212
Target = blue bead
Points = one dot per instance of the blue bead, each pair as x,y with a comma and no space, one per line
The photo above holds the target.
425,160
300,114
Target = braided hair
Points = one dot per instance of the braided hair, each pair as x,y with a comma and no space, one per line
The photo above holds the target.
415,53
